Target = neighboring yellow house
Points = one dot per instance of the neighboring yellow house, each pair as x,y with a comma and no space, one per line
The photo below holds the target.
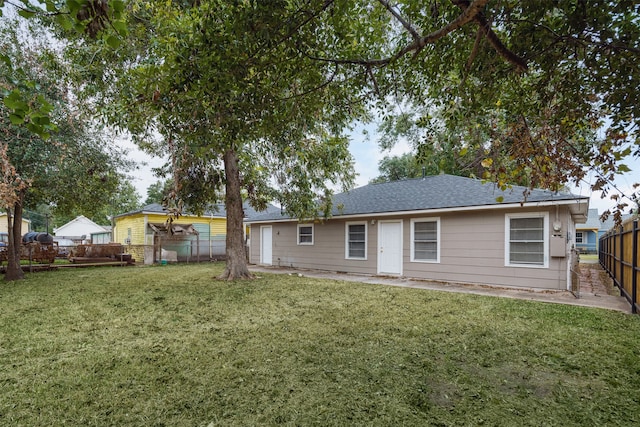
4,228
141,232
193,238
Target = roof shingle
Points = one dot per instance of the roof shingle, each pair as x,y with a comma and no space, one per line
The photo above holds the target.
432,192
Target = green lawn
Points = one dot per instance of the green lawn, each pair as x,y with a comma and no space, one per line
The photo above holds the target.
169,346
589,257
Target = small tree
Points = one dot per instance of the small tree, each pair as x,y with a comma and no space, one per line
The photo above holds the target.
12,188
240,110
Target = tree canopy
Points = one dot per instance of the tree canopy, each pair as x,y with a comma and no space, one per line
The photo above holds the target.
75,169
75,16
257,95
159,191
545,89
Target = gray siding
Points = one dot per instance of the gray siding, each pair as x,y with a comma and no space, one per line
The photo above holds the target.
327,252
472,250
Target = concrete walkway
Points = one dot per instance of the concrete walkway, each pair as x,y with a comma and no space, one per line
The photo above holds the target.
594,291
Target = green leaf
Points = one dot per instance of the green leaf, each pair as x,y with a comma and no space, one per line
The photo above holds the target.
14,101
4,58
64,21
121,27
16,119
113,41
499,199
26,13
622,168
118,6
51,7
40,119
74,6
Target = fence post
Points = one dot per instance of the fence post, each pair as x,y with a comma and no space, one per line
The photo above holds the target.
607,255
622,256
635,268
614,249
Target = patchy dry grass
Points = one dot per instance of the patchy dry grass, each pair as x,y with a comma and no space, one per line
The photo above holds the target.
170,346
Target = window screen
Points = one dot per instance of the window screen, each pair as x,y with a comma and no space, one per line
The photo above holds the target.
526,241
425,241
356,241
305,234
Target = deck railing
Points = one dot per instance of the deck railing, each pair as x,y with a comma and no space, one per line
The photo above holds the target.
619,256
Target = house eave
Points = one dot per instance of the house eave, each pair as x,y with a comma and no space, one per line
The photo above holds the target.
578,212
165,213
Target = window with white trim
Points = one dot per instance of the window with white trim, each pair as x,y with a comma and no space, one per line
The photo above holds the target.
579,237
425,240
356,240
305,234
527,240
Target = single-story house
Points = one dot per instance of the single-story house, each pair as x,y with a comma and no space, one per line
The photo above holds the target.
78,229
191,238
588,234
444,228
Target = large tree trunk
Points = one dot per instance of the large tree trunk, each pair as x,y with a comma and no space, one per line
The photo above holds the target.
14,227
236,253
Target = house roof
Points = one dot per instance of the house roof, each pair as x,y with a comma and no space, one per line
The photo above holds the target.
107,229
23,219
594,222
438,192
218,212
80,225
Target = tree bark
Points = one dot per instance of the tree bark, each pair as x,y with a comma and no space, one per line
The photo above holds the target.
14,228
236,253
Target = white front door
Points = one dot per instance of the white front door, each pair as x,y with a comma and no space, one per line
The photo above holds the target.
265,245
390,247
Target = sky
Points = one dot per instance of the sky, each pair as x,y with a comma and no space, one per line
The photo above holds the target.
367,154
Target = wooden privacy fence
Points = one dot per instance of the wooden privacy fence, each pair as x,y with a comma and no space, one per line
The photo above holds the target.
619,256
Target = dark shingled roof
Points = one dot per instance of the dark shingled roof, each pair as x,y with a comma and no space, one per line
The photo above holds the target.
432,192
219,210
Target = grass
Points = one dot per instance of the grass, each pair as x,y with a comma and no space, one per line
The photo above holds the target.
169,346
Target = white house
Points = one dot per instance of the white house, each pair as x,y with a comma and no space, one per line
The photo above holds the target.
78,229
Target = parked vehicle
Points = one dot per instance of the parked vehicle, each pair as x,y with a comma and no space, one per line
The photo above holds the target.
65,246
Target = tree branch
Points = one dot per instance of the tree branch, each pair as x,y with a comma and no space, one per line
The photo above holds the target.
468,14
472,55
584,41
414,33
319,87
491,36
